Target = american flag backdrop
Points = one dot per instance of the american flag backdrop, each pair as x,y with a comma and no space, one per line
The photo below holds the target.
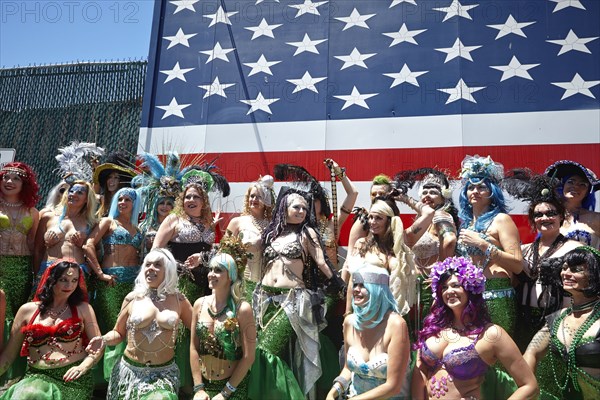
377,85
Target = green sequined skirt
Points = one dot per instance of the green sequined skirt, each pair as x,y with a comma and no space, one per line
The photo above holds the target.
48,384
190,289
214,387
500,299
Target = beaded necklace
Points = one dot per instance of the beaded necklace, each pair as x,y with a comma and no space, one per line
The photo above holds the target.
259,224
572,368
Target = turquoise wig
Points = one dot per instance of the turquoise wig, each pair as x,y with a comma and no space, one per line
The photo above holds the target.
135,198
381,300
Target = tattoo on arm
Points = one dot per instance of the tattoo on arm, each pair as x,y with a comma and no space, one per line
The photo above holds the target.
415,229
540,340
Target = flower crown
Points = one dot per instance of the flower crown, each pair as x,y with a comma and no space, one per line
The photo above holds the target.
474,168
233,245
469,276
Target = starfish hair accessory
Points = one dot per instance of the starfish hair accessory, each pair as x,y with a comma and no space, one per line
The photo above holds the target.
469,276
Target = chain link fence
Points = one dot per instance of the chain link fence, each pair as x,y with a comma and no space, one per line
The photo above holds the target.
44,108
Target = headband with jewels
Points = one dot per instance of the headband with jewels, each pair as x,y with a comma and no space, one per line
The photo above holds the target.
475,168
375,277
48,271
565,168
198,177
592,250
14,170
470,277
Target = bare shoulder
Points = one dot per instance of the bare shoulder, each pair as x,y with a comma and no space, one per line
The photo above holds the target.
503,219
495,334
395,322
245,310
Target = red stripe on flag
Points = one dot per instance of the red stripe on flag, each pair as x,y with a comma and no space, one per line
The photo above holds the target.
362,165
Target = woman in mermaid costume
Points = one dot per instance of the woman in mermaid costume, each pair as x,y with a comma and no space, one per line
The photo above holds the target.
289,309
375,340
64,230
122,241
52,332
224,333
256,215
149,320
578,185
458,344
571,336
18,226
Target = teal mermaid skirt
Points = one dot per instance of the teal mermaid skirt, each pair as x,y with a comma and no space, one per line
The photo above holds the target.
48,384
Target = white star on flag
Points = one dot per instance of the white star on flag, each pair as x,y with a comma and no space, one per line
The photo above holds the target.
577,85
179,38
260,1
217,53
461,91
263,29
405,75
456,10
173,109
220,17
262,65
511,26
458,50
308,7
515,68
184,5
306,45
354,58
355,19
260,103
404,35
176,73
572,42
396,2
355,98
216,87
562,4
306,82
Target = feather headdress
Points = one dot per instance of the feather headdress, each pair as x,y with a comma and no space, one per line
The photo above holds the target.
302,178
74,160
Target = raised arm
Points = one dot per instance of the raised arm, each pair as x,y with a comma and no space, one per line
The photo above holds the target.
446,232
421,223
351,192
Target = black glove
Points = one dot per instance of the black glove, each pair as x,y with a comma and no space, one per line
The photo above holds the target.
335,286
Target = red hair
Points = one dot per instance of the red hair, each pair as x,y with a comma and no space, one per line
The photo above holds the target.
29,191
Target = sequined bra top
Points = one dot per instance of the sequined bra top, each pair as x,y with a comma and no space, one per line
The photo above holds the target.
292,250
462,363
375,368
582,236
37,335
122,236
23,226
188,232
426,247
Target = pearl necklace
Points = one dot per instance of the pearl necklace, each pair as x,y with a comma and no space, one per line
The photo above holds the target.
11,205
259,224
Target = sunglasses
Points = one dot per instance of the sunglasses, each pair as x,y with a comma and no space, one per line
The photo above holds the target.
78,189
574,268
548,214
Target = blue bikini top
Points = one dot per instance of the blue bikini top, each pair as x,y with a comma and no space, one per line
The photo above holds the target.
122,236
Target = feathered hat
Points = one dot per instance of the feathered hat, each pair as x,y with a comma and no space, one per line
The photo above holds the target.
565,168
527,186
476,168
405,180
74,160
118,161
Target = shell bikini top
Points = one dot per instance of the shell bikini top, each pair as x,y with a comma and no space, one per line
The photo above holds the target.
37,335
462,363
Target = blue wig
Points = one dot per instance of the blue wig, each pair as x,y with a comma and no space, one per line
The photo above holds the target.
497,206
135,198
381,300
589,202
